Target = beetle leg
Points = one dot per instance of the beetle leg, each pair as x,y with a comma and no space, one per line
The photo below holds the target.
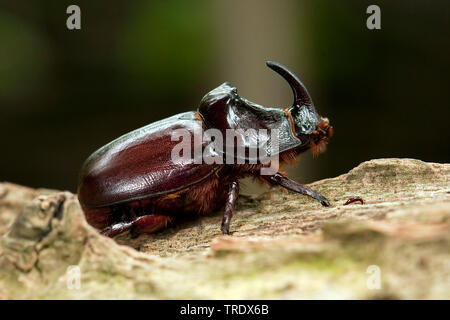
150,223
142,224
115,229
354,199
285,182
232,195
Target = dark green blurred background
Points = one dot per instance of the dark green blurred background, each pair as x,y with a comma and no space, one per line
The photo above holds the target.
65,93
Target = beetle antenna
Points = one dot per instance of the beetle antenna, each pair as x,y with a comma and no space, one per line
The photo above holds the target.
301,95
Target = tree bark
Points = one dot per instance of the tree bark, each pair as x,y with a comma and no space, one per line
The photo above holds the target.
283,245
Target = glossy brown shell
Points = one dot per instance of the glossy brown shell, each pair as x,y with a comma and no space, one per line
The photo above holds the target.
138,165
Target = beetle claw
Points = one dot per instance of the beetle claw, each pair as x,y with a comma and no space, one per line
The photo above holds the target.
325,202
354,199
225,229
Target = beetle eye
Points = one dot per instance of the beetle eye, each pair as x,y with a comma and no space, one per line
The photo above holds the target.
305,121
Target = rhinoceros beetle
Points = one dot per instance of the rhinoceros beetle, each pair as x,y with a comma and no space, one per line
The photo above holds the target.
132,183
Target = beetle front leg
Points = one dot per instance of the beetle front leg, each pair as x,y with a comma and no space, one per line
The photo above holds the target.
115,229
232,195
285,182
143,224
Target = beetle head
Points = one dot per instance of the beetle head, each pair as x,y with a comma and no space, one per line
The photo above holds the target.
312,129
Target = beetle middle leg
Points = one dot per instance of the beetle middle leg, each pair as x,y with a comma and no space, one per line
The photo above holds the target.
232,195
285,182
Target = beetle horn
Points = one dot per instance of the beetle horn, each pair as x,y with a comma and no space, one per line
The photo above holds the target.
301,95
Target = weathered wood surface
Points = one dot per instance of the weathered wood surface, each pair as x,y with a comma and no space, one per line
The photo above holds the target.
284,246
